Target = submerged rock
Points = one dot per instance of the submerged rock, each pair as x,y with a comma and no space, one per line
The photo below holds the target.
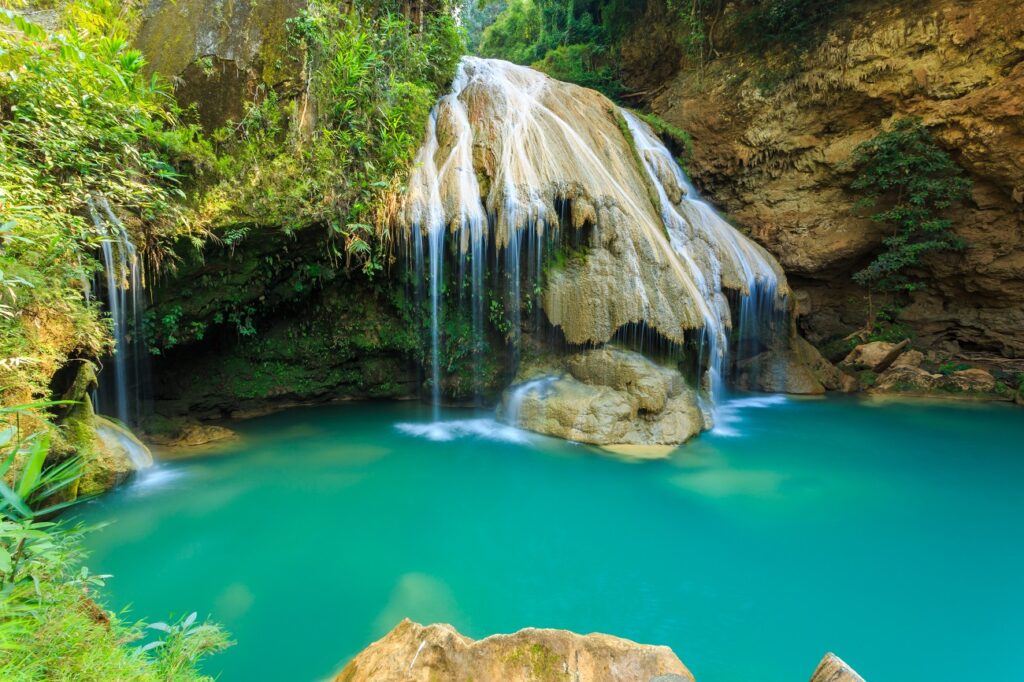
184,432
834,669
417,653
609,397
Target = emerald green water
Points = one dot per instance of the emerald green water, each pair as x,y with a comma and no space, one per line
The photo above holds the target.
890,534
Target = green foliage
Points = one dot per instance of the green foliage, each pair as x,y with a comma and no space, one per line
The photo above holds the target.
678,138
77,121
50,628
338,156
792,24
904,172
574,42
948,368
476,16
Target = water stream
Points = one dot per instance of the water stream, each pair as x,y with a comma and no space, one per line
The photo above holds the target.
123,384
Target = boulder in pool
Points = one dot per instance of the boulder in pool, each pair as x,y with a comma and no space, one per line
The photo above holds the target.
834,669
416,653
609,398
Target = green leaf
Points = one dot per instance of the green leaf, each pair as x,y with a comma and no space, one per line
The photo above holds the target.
29,478
14,500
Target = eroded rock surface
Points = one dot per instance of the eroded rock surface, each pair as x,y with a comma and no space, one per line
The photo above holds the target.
876,356
541,156
796,368
220,53
776,157
417,653
834,669
609,397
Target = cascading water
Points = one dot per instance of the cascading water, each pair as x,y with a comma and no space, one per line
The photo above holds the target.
122,386
698,232
512,162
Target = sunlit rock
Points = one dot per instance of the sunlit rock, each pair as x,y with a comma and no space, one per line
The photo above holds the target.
834,669
609,397
417,653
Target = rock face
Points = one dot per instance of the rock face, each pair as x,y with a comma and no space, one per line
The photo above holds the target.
608,397
798,369
775,157
414,653
220,53
833,669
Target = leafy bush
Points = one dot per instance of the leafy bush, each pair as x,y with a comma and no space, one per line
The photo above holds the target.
786,23
574,42
906,174
338,156
77,122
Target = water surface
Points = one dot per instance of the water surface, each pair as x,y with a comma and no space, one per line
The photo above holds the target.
888,533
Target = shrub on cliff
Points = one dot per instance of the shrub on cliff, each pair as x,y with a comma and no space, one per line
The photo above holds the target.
338,155
913,183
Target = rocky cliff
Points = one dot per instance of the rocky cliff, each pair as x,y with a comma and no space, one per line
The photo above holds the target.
773,134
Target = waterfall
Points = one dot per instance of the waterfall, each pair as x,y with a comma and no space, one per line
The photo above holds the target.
119,439
698,233
513,165
517,394
429,217
122,383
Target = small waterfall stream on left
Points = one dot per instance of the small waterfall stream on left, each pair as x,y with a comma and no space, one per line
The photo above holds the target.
124,379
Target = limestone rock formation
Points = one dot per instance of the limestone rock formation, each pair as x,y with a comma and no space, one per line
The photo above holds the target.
543,156
773,153
184,432
109,452
834,669
417,653
116,456
608,397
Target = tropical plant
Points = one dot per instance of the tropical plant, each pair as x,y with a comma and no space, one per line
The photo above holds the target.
50,627
914,182
339,156
78,122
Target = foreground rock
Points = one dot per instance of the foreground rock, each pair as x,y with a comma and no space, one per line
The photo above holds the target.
610,398
414,653
834,669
